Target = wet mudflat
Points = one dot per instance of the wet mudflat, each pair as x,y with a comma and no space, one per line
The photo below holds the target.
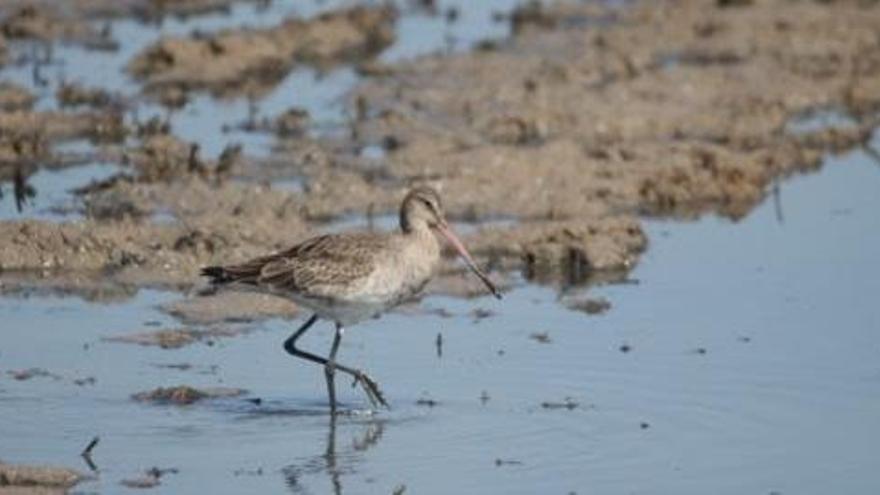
736,357
746,370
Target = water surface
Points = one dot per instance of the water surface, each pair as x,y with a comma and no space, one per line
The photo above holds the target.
750,367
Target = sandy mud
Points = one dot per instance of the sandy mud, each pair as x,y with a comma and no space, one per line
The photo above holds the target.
184,395
587,119
18,479
240,62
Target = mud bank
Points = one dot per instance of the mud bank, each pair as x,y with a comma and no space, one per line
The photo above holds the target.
34,480
675,107
585,120
245,61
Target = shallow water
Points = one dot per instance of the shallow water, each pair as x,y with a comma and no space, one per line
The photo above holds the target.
749,365
751,368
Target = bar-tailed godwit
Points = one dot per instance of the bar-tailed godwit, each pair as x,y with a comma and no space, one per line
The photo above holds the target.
348,277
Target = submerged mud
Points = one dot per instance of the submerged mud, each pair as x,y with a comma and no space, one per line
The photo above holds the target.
587,119
183,395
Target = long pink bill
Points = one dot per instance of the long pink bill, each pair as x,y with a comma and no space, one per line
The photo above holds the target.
466,256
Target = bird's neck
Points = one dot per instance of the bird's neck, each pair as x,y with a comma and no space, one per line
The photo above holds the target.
423,236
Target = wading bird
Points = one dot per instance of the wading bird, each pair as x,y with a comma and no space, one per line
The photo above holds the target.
348,277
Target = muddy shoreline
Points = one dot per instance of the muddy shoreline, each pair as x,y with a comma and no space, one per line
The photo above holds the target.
586,120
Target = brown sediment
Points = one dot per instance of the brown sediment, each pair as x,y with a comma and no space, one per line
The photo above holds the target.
251,61
175,338
72,94
293,122
156,9
14,97
185,395
4,52
43,21
26,136
26,479
591,306
587,119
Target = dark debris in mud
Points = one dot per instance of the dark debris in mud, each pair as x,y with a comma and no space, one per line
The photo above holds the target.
591,306
567,403
541,337
248,472
27,374
499,462
425,402
478,314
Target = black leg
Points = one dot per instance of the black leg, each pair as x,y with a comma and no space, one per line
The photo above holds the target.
371,388
330,368
290,343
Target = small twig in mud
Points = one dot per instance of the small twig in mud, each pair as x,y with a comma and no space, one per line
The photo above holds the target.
439,344
484,397
777,202
507,462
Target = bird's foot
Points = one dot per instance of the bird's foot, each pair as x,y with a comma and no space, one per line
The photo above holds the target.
371,388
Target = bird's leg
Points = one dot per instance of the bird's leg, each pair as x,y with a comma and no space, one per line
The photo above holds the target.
330,368
290,343
371,388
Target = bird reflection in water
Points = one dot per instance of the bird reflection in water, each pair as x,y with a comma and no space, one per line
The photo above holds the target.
332,462
22,192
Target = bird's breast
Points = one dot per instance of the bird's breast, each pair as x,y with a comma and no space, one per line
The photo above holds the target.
403,272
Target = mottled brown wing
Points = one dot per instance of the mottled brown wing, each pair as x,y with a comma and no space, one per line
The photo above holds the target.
244,273
320,264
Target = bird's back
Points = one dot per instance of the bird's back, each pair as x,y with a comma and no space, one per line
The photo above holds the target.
322,266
